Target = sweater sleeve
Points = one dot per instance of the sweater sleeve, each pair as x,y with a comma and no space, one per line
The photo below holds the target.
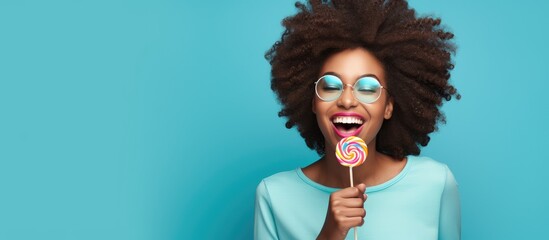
264,225
450,213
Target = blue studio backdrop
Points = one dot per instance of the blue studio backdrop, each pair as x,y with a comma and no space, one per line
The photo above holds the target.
155,119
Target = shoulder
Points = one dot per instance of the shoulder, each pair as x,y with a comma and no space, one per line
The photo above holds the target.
427,163
430,171
281,177
278,181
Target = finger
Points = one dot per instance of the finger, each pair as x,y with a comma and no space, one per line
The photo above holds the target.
351,202
353,222
353,212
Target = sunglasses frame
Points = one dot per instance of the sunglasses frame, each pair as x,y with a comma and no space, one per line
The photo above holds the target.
381,87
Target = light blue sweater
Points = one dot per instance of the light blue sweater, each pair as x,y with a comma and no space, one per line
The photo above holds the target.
421,202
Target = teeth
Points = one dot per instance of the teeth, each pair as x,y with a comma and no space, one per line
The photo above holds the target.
347,120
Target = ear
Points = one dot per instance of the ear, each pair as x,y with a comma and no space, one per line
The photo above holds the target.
388,109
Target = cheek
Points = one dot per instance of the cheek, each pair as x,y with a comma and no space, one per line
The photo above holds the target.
375,110
322,120
319,107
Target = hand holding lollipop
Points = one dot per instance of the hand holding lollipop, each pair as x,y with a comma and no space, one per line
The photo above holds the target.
351,152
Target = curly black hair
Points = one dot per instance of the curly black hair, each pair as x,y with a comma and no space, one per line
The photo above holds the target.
414,51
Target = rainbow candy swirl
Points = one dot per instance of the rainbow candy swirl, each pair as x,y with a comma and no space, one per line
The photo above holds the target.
351,151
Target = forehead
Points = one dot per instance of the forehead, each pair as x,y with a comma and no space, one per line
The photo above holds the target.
350,64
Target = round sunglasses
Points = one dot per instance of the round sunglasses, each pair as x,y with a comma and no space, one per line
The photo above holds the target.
366,89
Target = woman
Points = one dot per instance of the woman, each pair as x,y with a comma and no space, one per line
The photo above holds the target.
374,70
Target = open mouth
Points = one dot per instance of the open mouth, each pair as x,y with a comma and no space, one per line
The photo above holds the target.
346,126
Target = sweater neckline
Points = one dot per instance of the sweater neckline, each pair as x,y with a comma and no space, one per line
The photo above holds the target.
370,189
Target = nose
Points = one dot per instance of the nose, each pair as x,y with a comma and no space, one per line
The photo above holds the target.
347,100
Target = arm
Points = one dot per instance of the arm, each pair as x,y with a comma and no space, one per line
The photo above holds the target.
450,213
264,225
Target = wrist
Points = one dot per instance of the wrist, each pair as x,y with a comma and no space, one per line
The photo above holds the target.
330,235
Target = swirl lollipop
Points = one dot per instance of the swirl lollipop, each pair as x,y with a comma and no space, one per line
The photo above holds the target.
351,152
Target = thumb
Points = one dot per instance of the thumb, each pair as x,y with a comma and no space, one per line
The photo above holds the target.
361,187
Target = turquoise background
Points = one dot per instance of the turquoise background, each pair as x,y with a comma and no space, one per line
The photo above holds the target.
154,119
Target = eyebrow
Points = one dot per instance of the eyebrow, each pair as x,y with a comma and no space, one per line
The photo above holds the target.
361,76
368,75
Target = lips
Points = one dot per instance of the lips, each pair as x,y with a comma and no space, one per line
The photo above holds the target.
347,124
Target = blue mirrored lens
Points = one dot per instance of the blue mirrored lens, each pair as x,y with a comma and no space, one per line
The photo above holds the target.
329,87
367,89
332,82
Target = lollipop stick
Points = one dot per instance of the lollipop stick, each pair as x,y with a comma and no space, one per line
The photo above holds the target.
352,185
351,176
